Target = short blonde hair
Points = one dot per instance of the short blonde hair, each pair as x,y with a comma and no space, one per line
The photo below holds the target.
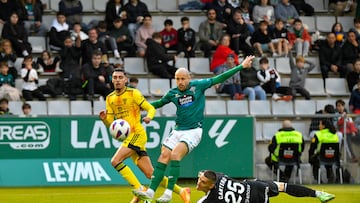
300,59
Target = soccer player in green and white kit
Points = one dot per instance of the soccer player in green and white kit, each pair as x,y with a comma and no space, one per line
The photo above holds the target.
189,98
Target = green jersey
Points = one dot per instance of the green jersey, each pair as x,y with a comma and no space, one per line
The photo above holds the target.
190,104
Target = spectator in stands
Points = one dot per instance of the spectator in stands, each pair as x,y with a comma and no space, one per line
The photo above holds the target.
113,10
73,10
70,65
232,85
298,75
340,35
351,130
7,55
350,52
95,80
186,39
285,11
223,10
299,38
133,82
270,81
144,32
123,38
330,57
46,63
286,134
314,124
14,31
264,11
136,12
244,8
157,59
302,6
7,84
250,84
280,38
108,40
26,109
169,35
354,102
239,32
221,54
7,7
356,28
4,107
91,45
262,41
31,80
210,32
58,32
343,7
326,134
353,76
77,31
31,12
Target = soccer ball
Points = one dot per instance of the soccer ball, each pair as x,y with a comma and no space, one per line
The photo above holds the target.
119,129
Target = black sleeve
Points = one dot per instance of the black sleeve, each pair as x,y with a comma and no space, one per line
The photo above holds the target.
272,145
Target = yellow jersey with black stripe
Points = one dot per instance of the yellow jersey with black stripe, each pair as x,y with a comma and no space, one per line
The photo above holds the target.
127,105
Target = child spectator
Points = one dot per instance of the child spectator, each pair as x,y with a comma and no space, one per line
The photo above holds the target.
250,84
123,39
133,82
136,11
48,64
280,38
299,38
261,40
270,81
31,12
7,84
26,109
353,76
58,32
340,35
76,31
354,102
106,39
169,35
144,32
186,39
7,55
298,75
4,107
30,85
244,8
232,85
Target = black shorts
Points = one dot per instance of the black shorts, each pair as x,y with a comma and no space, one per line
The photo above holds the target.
261,191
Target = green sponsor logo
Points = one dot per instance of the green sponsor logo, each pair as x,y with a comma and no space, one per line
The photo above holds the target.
25,134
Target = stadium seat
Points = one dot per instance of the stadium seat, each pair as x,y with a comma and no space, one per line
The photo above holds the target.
305,107
316,61
99,5
319,5
58,107
98,106
18,83
260,108
143,86
15,107
259,131
18,64
235,107
195,22
211,92
303,127
158,22
215,107
113,60
91,18
38,108
46,3
309,21
315,86
54,5
38,43
80,108
336,87
182,62
200,66
151,4
159,87
346,21
47,20
324,23
135,65
176,20
283,65
282,108
270,128
166,5
321,103
168,110
88,5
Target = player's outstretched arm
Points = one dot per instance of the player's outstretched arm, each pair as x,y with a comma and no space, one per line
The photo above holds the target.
227,74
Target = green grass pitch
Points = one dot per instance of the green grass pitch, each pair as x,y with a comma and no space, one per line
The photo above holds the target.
120,194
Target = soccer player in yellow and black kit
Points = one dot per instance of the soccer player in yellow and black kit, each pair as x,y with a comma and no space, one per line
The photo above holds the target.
126,103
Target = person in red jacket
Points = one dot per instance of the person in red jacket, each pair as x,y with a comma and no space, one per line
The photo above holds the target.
299,38
221,53
169,35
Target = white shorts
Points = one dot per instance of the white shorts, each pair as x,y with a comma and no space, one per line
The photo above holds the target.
191,138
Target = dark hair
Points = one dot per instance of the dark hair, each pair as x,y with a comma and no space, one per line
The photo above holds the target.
211,175
102,24
97,53
134,79
329,108
263,60
263,22
28,57
184,19
4,100
26,106
297,21
60,13
156,35
356,20
328,124
3,63
210,9
340,101
278,20
147,15
119,70
168,22
334,25
118,19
